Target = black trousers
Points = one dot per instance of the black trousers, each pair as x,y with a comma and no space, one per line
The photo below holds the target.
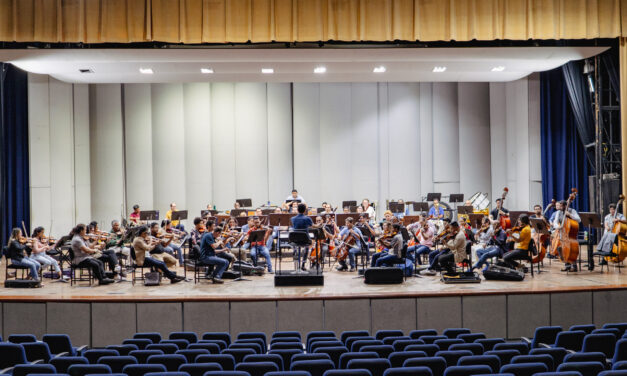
517,254
447,261
110,258
159,265
96,266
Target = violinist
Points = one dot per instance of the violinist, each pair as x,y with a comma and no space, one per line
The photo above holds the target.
498,210
116,244
435,254
348,232
556,224
609,238
302,223
170,247
494,247
455,251
198,231
143,244
84,254
325,244
484,234
395,247
16,252
38,254
521,236
424,234
158,252
275,232
259,247
384,235
99,238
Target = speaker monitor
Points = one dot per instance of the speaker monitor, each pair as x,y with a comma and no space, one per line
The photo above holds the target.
377,276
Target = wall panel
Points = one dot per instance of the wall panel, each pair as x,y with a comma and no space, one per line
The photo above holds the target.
307,138
445,134
364,124
426,140
280,168
223,144
82,164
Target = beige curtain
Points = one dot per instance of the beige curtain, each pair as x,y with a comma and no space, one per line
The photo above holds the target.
224,21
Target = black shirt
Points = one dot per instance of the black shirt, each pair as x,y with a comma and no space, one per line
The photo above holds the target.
495,212
16,250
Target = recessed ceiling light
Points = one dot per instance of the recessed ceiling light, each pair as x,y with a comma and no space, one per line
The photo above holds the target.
206,70
500,68
379,69
267,70
146,71
320,69
86,70
439,69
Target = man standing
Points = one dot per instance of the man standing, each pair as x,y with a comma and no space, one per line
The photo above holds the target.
498,210
557,218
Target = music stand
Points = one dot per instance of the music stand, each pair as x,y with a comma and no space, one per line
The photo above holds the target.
241,221
352,203
149,215
455,198
237,212
475,219
432,196
245,202
396,207
514,215
280,219
409,219
290,200
422,207
465,210
179,215
590,220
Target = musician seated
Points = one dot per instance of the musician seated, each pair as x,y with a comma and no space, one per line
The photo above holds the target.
424,233
257,248
158,252
435,254
245,229
328,232
396,246
197,233
143,245
556,222
346,210
108,255
171,247
494,246
609,238
275,232
368,209
355,248
382,248
176,223
134,217
210,249
455,251
38,253
115,244
436,211
17,254
522,237
83,255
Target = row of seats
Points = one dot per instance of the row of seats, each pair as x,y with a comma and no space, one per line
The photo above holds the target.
457,351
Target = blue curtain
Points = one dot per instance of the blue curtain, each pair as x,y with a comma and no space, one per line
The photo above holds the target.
14,172
564,164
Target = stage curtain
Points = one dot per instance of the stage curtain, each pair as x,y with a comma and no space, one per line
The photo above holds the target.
564,164
580,103
237,21
14,171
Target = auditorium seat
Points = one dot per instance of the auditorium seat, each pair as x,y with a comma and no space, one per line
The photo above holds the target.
353,333
170,361
37,351
22,338
11,354
376,366
274,358
504,355
61,343
223,336
470,337
524,369
489,343
117,363
347,357
382,334
416,334
430,350
191,354
539,358
452,333
62,363
543,335
141,343
257,368
190,337
491,361
600,342
436,364
142,355
557,353
398,358
259,335
27,369
142,369
238,354
467,370
408,371
585,368
94,354
586,328
153,336
199,369
226,361
334,352
123,349
475,348
346,372
521,347
314,367
286,355
86,369
167,348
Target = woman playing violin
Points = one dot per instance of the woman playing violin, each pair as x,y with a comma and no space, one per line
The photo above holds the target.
17,246
39,255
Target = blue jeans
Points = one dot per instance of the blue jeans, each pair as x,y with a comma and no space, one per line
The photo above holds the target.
484,254
174,249
33,265
351,255
219,263
388,260
159,265
434,257
415,251
264,252
376,257
271,238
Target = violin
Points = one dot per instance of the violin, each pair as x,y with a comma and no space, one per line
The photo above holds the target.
564,240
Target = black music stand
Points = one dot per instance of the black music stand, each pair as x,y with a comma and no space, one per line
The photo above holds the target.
208,213
267,211
515,214
590,220
349,203
432,196
245,202
179,215
540,227
149,215
465,210
237,212
475,219
396,207
422,207
282,221
455,198
365,249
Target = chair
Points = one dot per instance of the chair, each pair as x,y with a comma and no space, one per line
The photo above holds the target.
221,343
585,368
286,346
84,272
504,355
408,371
613,373
376,366
308,356
603,342
11,354
471,337
199,369
522,347
429,339
170,361
37,351
392,339
24,270
361,343
540,358
190,337
226,373
622,365
570,340
345,372
491,361
191,354
142,369
382,334
323,342
62,363
259,341
260,335
226,361
160,374
430,350
314,367
543,334
284,334
334,353
141,343
452,357
86,369
22,338
212,348
620,351
475,348
27,369
223,336
123,349
565,373
489,343
398,358
524,369
347,357
615,331
557,353
587,328
622,326
95,354
436,364
238,354
416,334
467,370
586,357
286,355
257,368
444,344
167,348
117,363
353,333
247,345
135,268
285,340
180,343
153,336
400,344
452,333
257,358
350,340
61,343
383,350
142,355
319,334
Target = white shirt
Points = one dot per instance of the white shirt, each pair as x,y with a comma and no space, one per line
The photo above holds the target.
292,198
609,221
371,213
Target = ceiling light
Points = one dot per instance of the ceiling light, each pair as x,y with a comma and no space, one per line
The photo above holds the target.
320,69
379,69
267,70
206,70
439,69
146,71
500,68
86,70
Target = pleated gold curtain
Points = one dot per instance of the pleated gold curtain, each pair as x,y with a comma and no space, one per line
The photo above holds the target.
237,21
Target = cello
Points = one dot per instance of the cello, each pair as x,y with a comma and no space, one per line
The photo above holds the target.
503,219
541,239
564,239
620,229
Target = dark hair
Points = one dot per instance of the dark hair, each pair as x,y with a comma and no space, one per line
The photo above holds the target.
537,206
77,229
563,202
255,218
486,220
218,229
154,224
396,226
209,224
349,220
455,224
447,220
197,220
14,233
93,224
294,190
135,207
165,222
524,219
142,230
37,230
612,206
302,208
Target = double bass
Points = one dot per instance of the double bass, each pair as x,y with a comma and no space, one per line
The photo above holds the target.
620,229
564,239
503,219
541,240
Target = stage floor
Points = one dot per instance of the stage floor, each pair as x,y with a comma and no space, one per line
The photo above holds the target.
337,285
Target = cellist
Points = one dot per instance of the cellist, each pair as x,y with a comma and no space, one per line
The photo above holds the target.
609,238
556,224
350,231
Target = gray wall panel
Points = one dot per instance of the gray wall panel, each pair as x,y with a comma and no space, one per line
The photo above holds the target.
439,313
393,314
571,308
485,314
200,317
253,317
301,315
160,317
112,323
340,315
22,318
73,319
609,306
527,312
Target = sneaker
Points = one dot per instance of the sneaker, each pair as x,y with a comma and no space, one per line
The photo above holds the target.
106,281
428,272
341,268
177,279
270,271
218,280
352,270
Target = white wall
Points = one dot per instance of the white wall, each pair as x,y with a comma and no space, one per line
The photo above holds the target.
102,148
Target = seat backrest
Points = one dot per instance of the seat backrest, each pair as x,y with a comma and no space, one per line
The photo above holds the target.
22,338
382,334
492,361
26,369
191,354
12,354
452,357
416,334
436,364
286,355
199,369
226,361
489,343
58,343
347,357
153,336
95,354
521,347
62,363
401,344
429,349
142,355
212,348
167,348
238,354
570,340
585,368
141,343
476,369
274,358
361,343
602,342
224,336
505,355
557,353
588,328
398,358
454,332
142,369
586,357
117,363
470,337
170,361
85,369
37,351
539,358
334,353
314,367
353,333
546,335
524,369
475,348
190,337
286,334
376,366
180,343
